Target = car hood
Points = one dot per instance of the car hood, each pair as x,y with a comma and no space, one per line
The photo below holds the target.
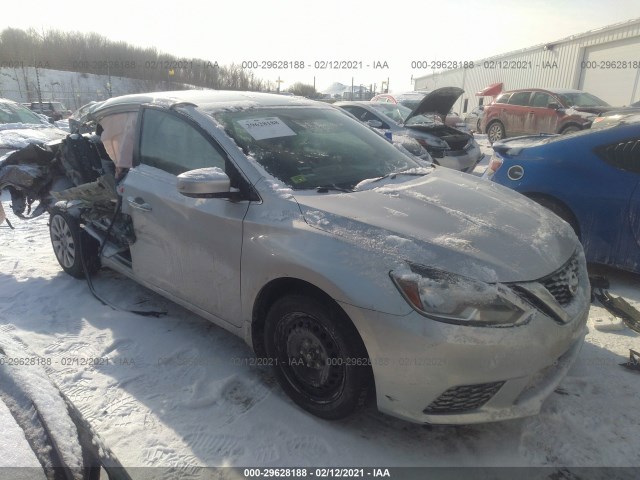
439,101
17,136
590,110
450,221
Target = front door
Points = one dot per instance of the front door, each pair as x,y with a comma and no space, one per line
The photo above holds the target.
543,119
188,247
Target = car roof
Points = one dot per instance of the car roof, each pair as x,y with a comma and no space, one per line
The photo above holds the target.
551,90
203,99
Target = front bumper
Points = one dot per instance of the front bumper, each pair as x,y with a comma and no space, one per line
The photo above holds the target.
431,372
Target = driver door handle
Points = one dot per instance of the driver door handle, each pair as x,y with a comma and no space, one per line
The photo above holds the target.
139,204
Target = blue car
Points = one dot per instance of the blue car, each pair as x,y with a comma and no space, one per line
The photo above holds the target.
591,179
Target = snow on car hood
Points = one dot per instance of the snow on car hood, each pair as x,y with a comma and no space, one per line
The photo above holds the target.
14,136
439,101
450,221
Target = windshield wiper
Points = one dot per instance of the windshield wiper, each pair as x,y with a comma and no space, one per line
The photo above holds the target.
332,187
393,175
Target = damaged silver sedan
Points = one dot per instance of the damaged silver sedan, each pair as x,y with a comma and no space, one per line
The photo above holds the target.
343,262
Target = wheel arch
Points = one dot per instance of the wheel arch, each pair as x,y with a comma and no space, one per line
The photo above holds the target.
570,125
278,288
549,201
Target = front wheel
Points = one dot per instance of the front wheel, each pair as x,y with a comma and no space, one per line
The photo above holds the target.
69,242
570,129
495,132
320,360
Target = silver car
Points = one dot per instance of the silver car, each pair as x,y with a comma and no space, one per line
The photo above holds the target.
346,265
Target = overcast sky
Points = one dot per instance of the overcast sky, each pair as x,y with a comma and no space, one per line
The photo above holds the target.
396,32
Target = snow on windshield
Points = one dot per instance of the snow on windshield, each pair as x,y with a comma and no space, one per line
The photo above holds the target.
306,148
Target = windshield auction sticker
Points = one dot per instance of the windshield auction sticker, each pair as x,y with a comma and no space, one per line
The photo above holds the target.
262,128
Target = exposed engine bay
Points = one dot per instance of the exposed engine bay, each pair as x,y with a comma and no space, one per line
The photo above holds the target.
74,175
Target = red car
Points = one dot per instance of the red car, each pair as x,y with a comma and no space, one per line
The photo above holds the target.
534,110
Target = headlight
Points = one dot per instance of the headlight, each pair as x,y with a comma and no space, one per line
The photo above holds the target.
451,298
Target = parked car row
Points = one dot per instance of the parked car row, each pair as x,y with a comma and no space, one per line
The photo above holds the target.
447,146
350,267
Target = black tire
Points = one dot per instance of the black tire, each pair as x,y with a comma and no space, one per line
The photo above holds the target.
319,358
495,131
478,123
560,210
570,129
69,241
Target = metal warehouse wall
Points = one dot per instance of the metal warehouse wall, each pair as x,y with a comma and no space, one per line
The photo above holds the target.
556,64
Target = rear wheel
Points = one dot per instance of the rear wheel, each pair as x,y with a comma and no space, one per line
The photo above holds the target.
495,132
69,242
478,129
320,360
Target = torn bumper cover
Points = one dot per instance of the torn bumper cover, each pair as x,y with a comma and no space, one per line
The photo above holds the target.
45,174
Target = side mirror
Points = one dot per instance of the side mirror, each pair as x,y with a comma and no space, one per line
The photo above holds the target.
209,182
374,123
553,106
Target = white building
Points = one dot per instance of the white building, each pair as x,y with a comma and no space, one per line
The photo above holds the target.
604,62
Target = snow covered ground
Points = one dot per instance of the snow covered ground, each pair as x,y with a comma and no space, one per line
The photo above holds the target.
179,391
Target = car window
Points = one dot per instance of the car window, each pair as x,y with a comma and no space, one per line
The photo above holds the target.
398,112
541,100
363,114
622,155
504,98
307,147
14,113
520,98
175,146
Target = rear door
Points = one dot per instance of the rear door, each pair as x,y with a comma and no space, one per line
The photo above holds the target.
515,115
188,247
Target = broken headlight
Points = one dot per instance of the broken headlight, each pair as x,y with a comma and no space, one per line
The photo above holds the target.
452,298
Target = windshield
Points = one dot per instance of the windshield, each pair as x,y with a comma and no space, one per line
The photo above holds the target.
58,107
581,99
398,113
14,113
307,148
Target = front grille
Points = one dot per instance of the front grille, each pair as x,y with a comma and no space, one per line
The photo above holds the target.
563,283
464,398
